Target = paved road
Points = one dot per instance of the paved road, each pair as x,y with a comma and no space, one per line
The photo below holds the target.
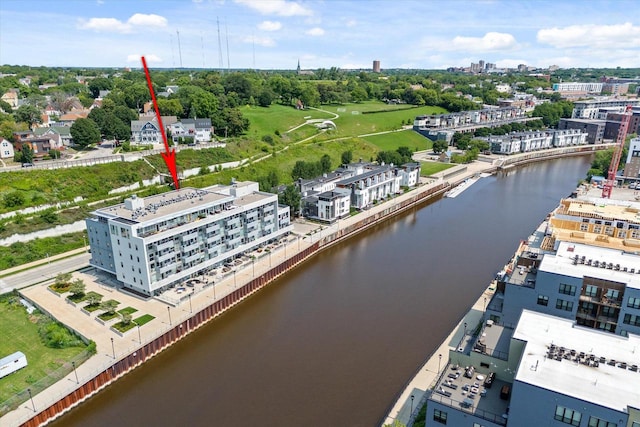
43,272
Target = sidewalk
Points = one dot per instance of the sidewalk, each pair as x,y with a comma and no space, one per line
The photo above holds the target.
38,263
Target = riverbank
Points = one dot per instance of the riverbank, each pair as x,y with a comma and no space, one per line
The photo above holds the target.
181,314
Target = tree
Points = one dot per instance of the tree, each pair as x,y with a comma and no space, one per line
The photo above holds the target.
62,280
27,153
28,114
440,146
265,98
126,318
85,132
109,306
325,163
346,157
77,287
291,197
170,107
5,106
93,298
269,182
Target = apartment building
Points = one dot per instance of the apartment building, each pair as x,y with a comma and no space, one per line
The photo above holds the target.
524,142
632,166
589,109
578,87
152,243
584,266
552,372
592,127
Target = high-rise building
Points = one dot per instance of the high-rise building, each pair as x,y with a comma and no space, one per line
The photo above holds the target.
376,66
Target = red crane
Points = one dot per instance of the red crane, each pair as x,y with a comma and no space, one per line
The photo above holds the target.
617,154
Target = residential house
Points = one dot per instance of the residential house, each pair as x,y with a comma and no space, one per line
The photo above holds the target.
198,129
11,97
144,132
374,185
62,134
40,145
6,149
70,118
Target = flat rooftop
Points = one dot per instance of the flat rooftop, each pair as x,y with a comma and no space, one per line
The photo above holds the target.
611,263
248,199
469,394
611,382
165,205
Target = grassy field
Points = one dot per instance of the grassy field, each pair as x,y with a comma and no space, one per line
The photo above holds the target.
19,332
429,168
283,162
407,138
22,253
265,121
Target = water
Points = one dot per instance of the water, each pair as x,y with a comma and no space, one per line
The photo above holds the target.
335,341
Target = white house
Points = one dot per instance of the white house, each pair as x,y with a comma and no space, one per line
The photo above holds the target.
198,129
6,149
145,132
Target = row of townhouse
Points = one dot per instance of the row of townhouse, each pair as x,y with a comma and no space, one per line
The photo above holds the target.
356,185
524,142
560,337
151,244
147,130
465,118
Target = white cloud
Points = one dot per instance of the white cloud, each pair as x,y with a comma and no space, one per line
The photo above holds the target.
261,41
105,24
317,31
512,63
591,35
277,7
135,57
489,42
351,23
113,25
151,20
270,26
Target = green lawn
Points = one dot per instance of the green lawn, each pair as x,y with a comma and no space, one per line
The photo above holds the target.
128,310
407,138
265,121
23,252
429,168
19,332
146,318
124,327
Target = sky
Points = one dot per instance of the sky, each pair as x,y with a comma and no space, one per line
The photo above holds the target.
276,34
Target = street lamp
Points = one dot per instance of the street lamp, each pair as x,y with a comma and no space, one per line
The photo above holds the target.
465,328
31,397
410,413
485,304
113,349
168,311
190,306
75,372
234,278
139,337
253,267
439,361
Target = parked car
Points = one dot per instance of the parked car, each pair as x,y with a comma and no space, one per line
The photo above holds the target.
27,165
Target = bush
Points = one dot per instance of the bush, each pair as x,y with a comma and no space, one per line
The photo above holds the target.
54,335
268,139
13,199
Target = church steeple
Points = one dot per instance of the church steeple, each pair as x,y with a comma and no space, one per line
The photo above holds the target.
298,69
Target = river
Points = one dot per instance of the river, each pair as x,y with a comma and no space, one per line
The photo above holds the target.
332,343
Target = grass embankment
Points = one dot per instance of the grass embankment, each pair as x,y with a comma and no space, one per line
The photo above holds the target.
48,346
407,138
22,253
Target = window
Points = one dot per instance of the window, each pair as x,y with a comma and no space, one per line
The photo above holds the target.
597,229
568,416
591,291
584,227
564,305
440,416
613,294
567,289
543,300
597,422
631,320
633,302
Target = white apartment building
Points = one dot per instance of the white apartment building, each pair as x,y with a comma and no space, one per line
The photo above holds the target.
578,87
524,142
589,109
153,243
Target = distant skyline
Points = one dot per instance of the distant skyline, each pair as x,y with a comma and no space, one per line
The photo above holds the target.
275,34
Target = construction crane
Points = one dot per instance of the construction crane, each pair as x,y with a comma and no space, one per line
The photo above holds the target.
610,182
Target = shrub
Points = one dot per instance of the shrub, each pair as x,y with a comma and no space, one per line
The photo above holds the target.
13,199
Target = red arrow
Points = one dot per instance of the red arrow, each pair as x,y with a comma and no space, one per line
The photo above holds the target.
169,156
